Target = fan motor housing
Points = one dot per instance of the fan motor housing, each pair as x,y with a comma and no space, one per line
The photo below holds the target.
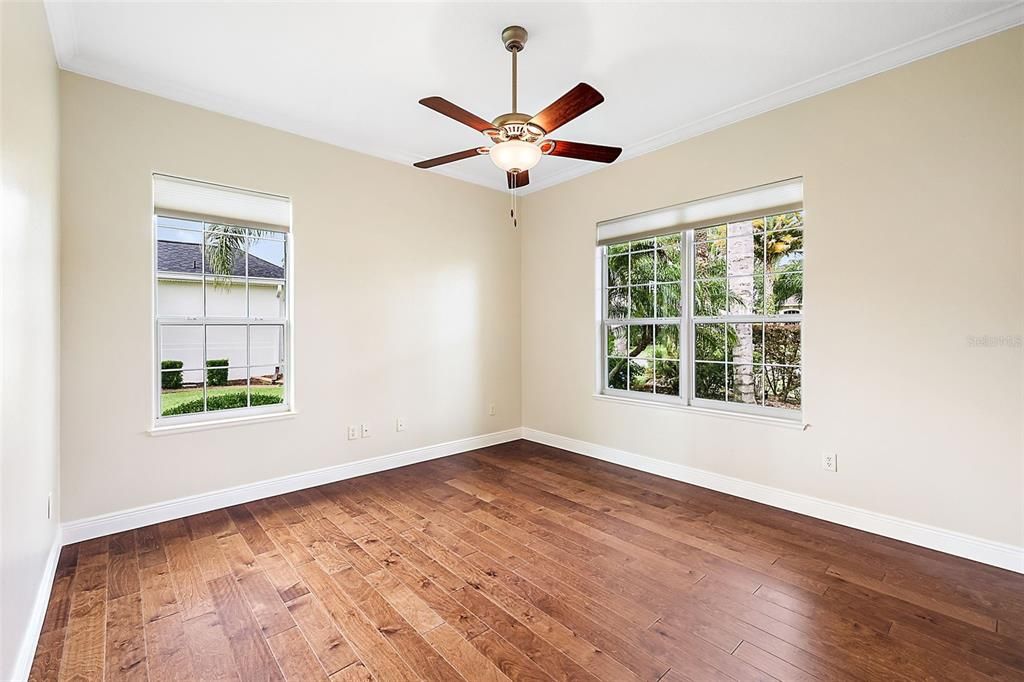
505,119
515,126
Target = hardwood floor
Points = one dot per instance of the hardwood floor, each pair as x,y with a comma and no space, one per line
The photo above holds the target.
521,562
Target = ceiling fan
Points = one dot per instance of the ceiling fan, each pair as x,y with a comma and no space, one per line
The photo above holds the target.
520,140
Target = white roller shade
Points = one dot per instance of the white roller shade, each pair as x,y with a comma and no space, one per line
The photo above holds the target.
787,195
192,199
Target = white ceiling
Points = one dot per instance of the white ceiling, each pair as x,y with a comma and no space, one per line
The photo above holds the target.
351,74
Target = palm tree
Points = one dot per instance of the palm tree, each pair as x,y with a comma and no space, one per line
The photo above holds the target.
223,244
740,266
783,236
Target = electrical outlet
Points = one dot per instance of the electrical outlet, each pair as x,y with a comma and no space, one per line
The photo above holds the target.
490,409
353,432
829,462
399,424
364,430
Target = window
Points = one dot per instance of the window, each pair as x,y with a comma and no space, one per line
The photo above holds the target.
708,315
222,316
644,308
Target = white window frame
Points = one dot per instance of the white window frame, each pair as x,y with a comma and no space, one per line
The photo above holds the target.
687,324
679,321
202,321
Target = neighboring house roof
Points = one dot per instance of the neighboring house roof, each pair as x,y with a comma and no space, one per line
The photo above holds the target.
187,258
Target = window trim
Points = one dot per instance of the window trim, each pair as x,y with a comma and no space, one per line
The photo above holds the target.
238,415
686,322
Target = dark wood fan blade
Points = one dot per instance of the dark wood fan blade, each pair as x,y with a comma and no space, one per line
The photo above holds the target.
579,100
587,152
443,106
448,158
520,180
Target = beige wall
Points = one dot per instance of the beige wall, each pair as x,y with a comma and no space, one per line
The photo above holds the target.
406,302
914,182
29,149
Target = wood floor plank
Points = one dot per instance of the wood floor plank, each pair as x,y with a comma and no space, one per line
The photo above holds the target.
419,655
216,523
209,647
865,604
463,656
265,603
149,547
47,660
357,672
210,558
93,552
601,633
521,562
296,659
189,584
327,642
370,645
252,654
167,655
123,570
453,613
157,588
59,607
774,666
408,604
513,663
125,639
250,529
282,576
561,635
547,657
971,616
86,629
67,561
238,555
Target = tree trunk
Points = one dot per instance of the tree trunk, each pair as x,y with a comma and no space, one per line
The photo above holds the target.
740,267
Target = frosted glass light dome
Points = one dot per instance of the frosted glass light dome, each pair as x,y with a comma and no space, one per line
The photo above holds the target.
515,155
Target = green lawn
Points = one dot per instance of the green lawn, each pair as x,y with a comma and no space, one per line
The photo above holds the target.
169,399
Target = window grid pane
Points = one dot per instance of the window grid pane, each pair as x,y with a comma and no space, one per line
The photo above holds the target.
762,279
642,315
225,365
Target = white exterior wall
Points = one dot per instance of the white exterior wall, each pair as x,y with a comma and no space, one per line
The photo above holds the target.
184,298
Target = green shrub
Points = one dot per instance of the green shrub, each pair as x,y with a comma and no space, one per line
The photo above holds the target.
171,379
217,377
224,401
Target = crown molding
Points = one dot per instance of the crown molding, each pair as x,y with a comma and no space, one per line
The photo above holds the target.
62,27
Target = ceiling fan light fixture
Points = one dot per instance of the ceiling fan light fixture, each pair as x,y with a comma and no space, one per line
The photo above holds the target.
515,156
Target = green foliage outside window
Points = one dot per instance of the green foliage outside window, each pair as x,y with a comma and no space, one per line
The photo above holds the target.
173,379
225,401
217,377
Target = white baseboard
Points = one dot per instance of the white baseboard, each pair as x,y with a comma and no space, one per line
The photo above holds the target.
98,526
997,554
27,650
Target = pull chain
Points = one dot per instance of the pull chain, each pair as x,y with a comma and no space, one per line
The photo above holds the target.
512,192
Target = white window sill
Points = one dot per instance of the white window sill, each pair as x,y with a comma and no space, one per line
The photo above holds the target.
725,414
188,427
